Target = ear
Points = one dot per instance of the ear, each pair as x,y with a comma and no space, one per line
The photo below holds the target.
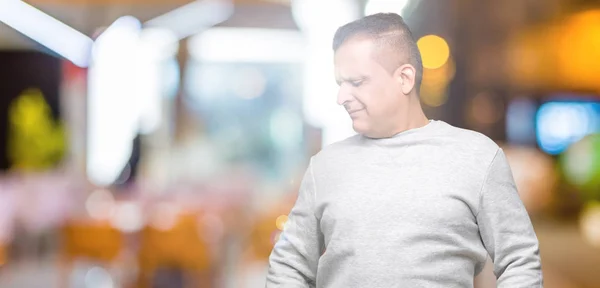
406,76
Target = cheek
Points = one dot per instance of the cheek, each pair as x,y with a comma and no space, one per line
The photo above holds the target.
369,95
380,102
393,99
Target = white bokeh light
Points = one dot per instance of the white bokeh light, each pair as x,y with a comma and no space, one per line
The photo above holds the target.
112,121
125,93
46,30
386,6
127,217
319,21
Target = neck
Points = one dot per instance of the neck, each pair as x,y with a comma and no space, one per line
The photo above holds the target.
415,117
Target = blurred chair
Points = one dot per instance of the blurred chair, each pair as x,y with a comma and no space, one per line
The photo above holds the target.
179,246
3,257
268,227
265,230
263,237
95,241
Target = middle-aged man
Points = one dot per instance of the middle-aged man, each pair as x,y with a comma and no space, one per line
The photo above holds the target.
408,201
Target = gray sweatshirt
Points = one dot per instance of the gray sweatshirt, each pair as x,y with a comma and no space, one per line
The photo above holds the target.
423,208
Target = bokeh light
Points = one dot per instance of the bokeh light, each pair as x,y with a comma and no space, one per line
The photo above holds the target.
128,217
386,6
434,51
581,166
578,50
561,55
560,124
484,110
98,277
590,223
164,216
100,205
281,221
434,88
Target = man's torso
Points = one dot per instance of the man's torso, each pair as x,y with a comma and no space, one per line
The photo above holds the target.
402,212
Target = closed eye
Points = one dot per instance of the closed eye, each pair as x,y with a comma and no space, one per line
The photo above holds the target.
356,83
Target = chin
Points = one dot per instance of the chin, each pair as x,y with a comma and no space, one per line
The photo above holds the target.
365,129
361,127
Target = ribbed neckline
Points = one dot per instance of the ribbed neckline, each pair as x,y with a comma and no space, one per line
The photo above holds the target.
404,134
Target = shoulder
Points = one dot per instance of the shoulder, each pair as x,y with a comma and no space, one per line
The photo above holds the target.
341,146
471,150
468,140
338,153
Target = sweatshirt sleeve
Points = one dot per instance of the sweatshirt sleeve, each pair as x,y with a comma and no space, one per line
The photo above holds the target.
293,261
506,229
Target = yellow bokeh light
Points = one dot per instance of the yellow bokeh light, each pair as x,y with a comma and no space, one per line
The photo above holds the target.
280,222
434,51
434,89
434,95
561,55
581,63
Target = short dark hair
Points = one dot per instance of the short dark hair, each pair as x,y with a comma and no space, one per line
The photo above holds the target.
388,30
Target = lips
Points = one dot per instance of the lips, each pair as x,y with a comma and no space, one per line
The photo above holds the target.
354,113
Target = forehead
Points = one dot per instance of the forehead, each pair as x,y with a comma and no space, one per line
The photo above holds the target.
355,57
355,49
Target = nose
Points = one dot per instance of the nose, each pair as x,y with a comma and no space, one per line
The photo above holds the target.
343,96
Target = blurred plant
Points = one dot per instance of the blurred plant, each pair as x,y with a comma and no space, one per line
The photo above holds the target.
580,165
36,141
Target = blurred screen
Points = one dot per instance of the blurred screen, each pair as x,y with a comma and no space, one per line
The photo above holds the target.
560,123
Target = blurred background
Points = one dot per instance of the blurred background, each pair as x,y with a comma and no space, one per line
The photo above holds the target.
148,143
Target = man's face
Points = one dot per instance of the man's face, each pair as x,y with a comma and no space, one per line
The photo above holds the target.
371,94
